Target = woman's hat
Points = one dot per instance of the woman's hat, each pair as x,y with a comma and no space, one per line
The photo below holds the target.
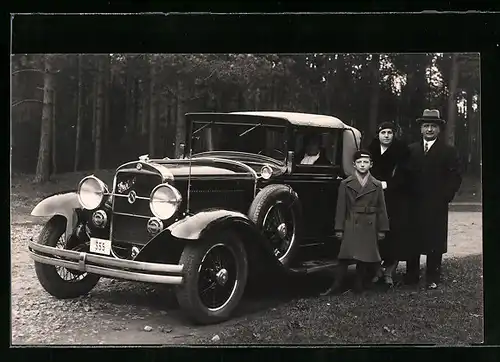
361,153
386,125
431,116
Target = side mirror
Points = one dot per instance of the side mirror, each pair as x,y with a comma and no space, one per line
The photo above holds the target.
289,161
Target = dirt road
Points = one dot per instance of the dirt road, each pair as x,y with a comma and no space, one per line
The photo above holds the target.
129,313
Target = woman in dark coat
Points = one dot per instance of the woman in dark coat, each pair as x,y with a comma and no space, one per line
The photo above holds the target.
389,159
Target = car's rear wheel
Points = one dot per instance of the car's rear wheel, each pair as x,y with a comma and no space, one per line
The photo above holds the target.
276,211
58,281
215,275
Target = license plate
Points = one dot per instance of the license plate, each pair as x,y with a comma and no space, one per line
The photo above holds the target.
100,246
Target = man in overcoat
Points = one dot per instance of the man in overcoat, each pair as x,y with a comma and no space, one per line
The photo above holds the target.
360,222
434,178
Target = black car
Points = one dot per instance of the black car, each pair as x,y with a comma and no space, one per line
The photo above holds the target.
254,192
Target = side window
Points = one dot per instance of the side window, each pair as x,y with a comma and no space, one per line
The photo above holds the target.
315,148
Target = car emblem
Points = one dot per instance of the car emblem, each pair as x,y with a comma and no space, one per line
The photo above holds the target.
132,197
125,185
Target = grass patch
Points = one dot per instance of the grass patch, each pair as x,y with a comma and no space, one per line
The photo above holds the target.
452,314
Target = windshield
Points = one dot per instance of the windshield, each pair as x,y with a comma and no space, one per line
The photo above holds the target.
251,138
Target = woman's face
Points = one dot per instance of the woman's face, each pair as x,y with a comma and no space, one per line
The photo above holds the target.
386,136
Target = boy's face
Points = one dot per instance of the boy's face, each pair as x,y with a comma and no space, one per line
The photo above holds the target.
363,165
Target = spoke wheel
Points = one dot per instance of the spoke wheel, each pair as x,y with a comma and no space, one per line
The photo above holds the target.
277,212
279,227
218,277
215,275
59,281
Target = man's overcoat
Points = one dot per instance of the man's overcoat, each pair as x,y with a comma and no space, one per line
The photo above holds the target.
434,180
361,213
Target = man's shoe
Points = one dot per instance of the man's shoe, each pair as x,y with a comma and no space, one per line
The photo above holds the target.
432,286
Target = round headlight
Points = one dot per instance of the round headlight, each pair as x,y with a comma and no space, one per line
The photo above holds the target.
266,172
165,201
91,192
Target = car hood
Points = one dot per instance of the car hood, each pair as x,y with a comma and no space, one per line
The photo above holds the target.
201,166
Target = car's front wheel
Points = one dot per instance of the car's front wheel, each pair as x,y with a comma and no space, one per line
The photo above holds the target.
58,281
215,275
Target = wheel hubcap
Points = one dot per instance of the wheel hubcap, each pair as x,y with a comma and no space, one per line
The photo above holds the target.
282,230
279,227
222,276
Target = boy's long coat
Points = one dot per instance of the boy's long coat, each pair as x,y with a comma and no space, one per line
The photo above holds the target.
361,213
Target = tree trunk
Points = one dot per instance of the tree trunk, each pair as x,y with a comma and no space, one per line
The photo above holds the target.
257,99
43,164
54,135
452,102
94,106
152,108
375,93
129,85
106,95
78,114
99,115
180,129
471,130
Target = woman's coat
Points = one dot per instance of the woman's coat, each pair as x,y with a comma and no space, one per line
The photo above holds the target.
360,215
391,168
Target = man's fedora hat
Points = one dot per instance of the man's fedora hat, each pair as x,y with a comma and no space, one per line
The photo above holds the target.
431,116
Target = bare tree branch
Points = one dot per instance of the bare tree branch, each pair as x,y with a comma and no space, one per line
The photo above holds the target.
27,70
26,100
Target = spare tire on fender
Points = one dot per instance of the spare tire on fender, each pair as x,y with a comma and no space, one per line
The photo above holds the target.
277,212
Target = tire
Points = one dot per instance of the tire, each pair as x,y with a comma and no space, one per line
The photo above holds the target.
48,275
195,260
273,196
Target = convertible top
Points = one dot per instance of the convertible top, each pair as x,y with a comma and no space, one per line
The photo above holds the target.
293,118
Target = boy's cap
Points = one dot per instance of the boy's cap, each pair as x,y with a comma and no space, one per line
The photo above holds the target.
360,154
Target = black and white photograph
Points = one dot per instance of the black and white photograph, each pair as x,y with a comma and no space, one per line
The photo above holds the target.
246,198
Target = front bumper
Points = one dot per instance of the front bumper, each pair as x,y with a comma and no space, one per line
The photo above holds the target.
107,266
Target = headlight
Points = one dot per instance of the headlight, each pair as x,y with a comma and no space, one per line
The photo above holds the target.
165,201
91,192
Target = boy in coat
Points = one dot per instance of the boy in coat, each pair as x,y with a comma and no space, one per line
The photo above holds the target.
361,221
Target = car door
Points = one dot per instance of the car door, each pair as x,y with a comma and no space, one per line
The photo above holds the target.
317,188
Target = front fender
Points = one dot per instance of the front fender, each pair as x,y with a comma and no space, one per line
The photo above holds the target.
64,204
193,227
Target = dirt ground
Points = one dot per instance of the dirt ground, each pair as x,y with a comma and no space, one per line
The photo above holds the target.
118,312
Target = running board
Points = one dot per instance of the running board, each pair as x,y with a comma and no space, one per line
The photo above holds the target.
314,266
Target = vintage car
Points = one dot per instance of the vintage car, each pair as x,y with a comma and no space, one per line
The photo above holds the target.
238,203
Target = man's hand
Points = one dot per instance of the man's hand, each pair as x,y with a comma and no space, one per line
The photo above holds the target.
381,235
339,235
384,185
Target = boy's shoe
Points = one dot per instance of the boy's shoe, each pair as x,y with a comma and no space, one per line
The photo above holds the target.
333,290
378,276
